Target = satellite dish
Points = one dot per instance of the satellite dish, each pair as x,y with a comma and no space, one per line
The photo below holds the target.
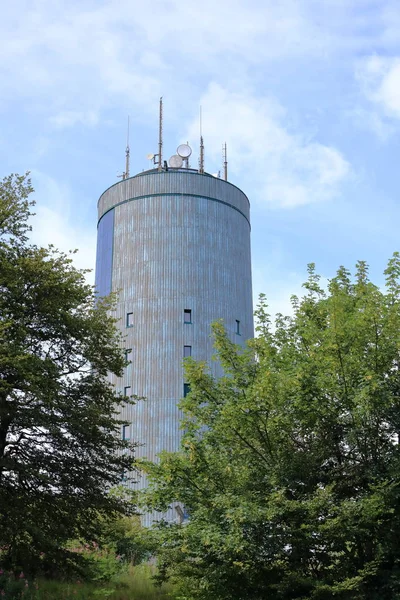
175,162
150,156
184,151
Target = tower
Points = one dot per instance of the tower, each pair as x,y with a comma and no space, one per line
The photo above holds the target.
174,243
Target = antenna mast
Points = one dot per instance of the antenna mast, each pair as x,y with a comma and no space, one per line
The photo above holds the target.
224,155
127,152
160,132
201,159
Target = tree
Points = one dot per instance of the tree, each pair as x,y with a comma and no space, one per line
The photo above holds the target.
289,467
60,444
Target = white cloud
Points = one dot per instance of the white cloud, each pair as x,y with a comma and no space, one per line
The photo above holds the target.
379,80
58,222
255,30
96,53
370,119
287,169
75,61
69,118
390,18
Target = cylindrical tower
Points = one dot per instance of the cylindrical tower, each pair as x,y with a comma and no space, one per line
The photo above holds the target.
175,245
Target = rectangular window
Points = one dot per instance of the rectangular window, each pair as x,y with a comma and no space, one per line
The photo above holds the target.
186,389
187,351
127,390
129,319
187,316
237,327
125,432
128,354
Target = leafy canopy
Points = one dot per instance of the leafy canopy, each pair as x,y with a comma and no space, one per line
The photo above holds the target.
289,467
60,446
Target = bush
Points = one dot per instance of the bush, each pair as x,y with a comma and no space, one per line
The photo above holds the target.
14,588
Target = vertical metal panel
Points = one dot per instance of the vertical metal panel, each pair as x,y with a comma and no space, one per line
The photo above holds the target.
181,241
104,254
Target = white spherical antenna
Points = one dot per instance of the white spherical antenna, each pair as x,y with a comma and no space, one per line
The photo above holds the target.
175,162
150,156
184,151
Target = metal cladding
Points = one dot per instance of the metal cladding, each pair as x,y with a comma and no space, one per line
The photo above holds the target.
175,245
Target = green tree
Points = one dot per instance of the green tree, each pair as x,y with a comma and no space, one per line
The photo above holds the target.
60,444
289,467
129,540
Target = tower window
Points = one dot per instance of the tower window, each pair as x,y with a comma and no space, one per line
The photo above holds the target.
238,327
129,319
187,316
187,351
128,353
186,389
125,432
127,390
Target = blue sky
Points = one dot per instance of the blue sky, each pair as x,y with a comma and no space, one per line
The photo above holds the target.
306,94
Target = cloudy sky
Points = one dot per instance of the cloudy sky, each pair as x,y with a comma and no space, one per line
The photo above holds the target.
305,93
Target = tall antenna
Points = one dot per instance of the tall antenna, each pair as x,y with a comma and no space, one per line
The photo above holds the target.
224,156
125,174
160,132
201,159
127,152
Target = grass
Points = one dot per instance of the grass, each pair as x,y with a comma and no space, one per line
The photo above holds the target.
135,584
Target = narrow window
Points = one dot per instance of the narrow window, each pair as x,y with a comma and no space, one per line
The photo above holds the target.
187,316
237,327
128,353
187,351
186,389
127,390
125,432
129,319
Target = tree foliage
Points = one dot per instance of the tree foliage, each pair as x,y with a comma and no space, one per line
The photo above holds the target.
289,466
60,446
